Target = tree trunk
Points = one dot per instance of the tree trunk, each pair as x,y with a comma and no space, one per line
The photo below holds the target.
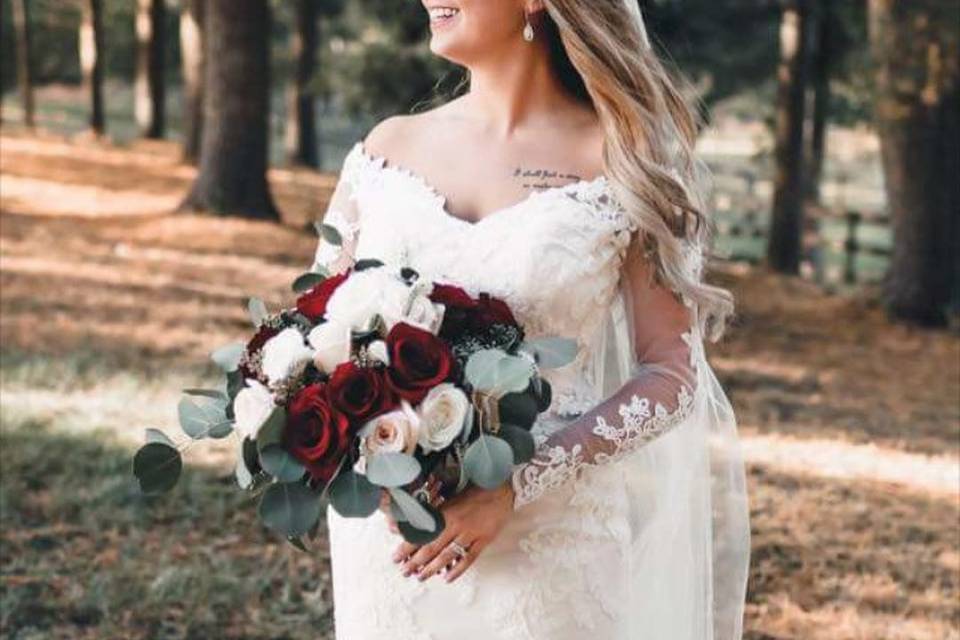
918,116
21,25
191,56
232,177
822,56
301,134
148,88
91,60
784,248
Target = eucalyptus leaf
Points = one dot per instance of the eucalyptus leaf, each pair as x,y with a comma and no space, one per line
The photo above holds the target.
367,263
543,392
204,418
213,394
307,281
513,374
157,467
329,233
227,357
298,543
551,352
391,469
289,508
418,516
488,461
258,311
481,368
520,440
271,432
420,536
519,409
276,461
353,496
242,473
155,435
235,383
497,372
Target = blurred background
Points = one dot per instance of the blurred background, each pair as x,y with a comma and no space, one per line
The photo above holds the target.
163,160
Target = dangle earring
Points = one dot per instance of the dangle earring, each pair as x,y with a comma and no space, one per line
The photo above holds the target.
528,28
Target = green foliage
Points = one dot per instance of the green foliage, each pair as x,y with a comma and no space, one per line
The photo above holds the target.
488,461
389,469
157,467
353,496
290,508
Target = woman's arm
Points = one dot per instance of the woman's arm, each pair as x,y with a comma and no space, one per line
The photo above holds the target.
341,214
658,396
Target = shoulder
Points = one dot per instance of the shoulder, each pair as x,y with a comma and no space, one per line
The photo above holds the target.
393,135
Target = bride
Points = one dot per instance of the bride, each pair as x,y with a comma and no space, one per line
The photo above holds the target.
565,182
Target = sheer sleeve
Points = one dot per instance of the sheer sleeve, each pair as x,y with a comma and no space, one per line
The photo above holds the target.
342,213
657,394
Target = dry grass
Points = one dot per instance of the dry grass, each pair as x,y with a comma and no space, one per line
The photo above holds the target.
110,304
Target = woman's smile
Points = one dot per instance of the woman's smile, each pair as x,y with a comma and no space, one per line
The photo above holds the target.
443,16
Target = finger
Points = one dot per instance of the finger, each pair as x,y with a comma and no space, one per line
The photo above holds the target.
404,550
447,556
465,563
384,501
428,552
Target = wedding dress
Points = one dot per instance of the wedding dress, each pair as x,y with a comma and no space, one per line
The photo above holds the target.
631,521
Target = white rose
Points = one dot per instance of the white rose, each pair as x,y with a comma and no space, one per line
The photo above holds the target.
282,353
417,310
331,342
362,296
251,408
393,432
377,350
443,414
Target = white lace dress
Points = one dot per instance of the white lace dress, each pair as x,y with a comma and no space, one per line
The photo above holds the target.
630,522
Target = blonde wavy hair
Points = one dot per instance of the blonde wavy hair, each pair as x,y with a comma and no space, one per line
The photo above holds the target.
601,53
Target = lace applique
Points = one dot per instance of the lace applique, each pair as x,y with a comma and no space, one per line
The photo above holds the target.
639,424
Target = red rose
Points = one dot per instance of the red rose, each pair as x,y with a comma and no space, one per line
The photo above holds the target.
317,435
452,297
458,307
419,361
360,392
313,303
492,310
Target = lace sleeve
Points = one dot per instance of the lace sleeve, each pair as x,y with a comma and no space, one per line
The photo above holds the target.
343,214
657,396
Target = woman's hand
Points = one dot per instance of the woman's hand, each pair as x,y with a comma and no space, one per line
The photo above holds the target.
473,519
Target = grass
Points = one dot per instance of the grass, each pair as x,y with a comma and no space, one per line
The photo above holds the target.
851,425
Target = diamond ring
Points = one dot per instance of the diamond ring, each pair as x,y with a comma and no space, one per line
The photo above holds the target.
458,549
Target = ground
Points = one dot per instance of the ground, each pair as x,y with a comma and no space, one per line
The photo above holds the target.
111,303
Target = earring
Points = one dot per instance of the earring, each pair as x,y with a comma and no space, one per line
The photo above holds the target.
528,28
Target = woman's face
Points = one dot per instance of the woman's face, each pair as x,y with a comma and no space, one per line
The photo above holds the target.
464,31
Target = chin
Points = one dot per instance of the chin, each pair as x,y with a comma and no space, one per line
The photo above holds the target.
457,37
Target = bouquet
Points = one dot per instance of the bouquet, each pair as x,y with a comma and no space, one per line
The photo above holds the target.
376,380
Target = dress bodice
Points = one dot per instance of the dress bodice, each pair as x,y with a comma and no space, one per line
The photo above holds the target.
554,256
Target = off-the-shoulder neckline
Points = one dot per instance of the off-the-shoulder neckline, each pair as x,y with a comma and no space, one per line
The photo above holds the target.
440,200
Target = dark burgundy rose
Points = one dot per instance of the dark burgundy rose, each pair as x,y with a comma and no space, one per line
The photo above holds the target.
452,297
458,307
492,311
260,338
360,392
254,345
313,303
317,435
419,361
